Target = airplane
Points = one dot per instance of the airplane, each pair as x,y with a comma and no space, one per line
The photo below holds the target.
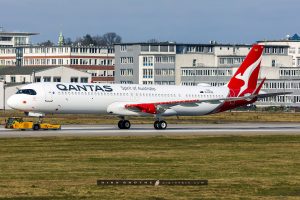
39,99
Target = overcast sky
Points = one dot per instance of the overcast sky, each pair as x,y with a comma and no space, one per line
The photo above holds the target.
188,21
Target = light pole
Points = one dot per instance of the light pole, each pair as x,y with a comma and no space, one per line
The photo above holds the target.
4,95
33,76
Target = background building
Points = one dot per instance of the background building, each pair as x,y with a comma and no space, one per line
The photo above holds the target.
98,61
14,39
294,47
145,63
214,64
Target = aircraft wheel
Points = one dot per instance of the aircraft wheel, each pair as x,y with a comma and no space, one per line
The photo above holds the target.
160,124
120,124
156,124
163,124
36,127
124,124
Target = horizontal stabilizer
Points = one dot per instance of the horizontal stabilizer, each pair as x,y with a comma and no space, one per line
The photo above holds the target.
262,96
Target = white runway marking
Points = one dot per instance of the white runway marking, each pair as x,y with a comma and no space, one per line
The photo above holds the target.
173,129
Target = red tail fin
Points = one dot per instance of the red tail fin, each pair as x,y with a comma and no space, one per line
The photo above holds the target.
244,80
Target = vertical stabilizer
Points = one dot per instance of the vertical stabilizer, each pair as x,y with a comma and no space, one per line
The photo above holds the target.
245,79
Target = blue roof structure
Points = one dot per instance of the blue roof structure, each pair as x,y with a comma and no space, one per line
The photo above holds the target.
295,37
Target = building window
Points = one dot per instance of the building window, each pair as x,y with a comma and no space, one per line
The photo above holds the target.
164,59
164,72
281,50
84,79
222,60
171,48
126,72
148,61
47,79
145,48
154,48
147,73
102,73
37,79
126,60
292,50
147,82
12,79
123,48
194,62
273,63
298,62
57,79
206,72
230,60
126,82
60,61
164,83
74,79
163,48
267,50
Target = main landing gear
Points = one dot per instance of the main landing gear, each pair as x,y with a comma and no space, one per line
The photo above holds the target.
124,124
160,124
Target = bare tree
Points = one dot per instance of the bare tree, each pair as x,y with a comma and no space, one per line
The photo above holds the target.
153,40
111,38
108,39
99,40
87,40
68,41
46,43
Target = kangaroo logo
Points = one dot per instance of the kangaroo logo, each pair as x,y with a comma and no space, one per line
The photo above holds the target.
245,77
244,81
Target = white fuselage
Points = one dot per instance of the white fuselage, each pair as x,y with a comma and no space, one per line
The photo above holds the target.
104,98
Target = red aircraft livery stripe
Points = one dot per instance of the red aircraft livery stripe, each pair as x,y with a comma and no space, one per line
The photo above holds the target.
151,108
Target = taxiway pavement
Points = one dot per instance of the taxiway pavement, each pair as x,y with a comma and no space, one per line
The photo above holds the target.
173,129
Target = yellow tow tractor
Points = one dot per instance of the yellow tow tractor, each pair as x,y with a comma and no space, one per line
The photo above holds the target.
19,123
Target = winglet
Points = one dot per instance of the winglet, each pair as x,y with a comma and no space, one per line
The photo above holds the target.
259,87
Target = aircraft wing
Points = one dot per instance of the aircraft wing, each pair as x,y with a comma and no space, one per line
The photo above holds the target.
160,107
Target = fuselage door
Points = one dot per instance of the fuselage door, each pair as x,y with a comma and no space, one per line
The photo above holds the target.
48,93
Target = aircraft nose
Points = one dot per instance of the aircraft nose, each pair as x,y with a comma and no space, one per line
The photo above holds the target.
12,102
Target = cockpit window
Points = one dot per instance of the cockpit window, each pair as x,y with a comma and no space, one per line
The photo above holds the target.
27,91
